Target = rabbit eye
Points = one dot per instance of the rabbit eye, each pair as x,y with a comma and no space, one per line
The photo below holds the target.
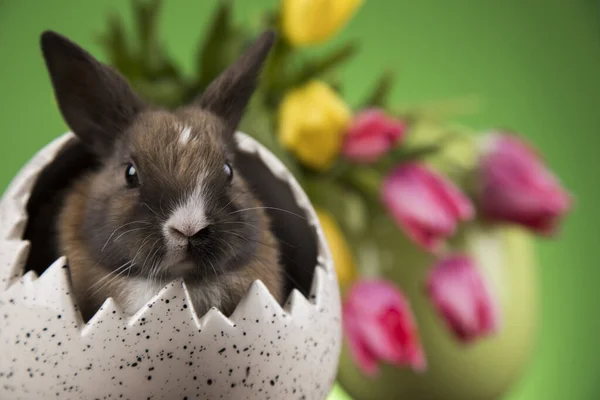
228,171
131,176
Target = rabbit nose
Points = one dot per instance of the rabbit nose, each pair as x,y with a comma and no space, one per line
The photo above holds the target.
186,232
187,222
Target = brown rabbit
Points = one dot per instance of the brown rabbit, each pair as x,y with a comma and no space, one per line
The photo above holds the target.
166,200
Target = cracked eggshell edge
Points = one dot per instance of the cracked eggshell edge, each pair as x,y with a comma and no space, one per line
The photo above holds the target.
165,349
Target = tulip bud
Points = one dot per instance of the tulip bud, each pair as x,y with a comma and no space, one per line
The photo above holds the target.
461,297
372,133
516,186
426,205
307,22
379,326
312,122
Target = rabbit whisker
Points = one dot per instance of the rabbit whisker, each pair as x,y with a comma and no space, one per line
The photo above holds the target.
122,226
259,229
154,270
248,240
150,208
224,241
160,205
113,279
269,208
139,250
241,223
109,275
132,262
230,201
126,232
150,252
286,273
215,271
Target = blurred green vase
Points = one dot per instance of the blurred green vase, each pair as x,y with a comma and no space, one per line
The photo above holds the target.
482,370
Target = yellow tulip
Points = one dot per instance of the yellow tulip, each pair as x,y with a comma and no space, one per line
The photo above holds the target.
307,22
342,258
312,124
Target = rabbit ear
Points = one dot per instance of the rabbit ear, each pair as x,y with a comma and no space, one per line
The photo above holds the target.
228,95
96,102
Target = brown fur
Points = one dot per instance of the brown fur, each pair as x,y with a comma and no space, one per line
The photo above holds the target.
86,271
114,234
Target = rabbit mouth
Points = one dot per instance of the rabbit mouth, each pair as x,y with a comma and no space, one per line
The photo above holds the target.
177,263
181,268
186,262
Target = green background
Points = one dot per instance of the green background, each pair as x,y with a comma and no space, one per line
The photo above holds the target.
536,65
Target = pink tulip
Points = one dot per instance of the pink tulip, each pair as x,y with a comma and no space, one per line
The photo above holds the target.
517,187
460,296
426,205
371,134
379,326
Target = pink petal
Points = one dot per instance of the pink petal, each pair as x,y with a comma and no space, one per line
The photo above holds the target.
517,187
371,134
379,326
366,150
455,201
460,296
364,358
424,204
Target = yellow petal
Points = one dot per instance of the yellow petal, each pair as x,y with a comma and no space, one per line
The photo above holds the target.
343,11
312,123
307,22
342,258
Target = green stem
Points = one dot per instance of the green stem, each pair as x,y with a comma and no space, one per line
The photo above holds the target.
275,72
365,180
317,68
381,92
402,154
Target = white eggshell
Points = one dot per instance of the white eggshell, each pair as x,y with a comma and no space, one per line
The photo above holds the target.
164,351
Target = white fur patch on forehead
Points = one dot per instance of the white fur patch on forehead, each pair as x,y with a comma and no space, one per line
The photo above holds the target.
185,135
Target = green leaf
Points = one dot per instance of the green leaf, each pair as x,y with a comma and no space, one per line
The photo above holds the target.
116,47
347,206
258,120
339,167
366,181
146,65
335,83
316,68
380,94
159,65
155,61
440,111
338,393
356,213
145,16
425,143
223,44
275,72
405,155
166,92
